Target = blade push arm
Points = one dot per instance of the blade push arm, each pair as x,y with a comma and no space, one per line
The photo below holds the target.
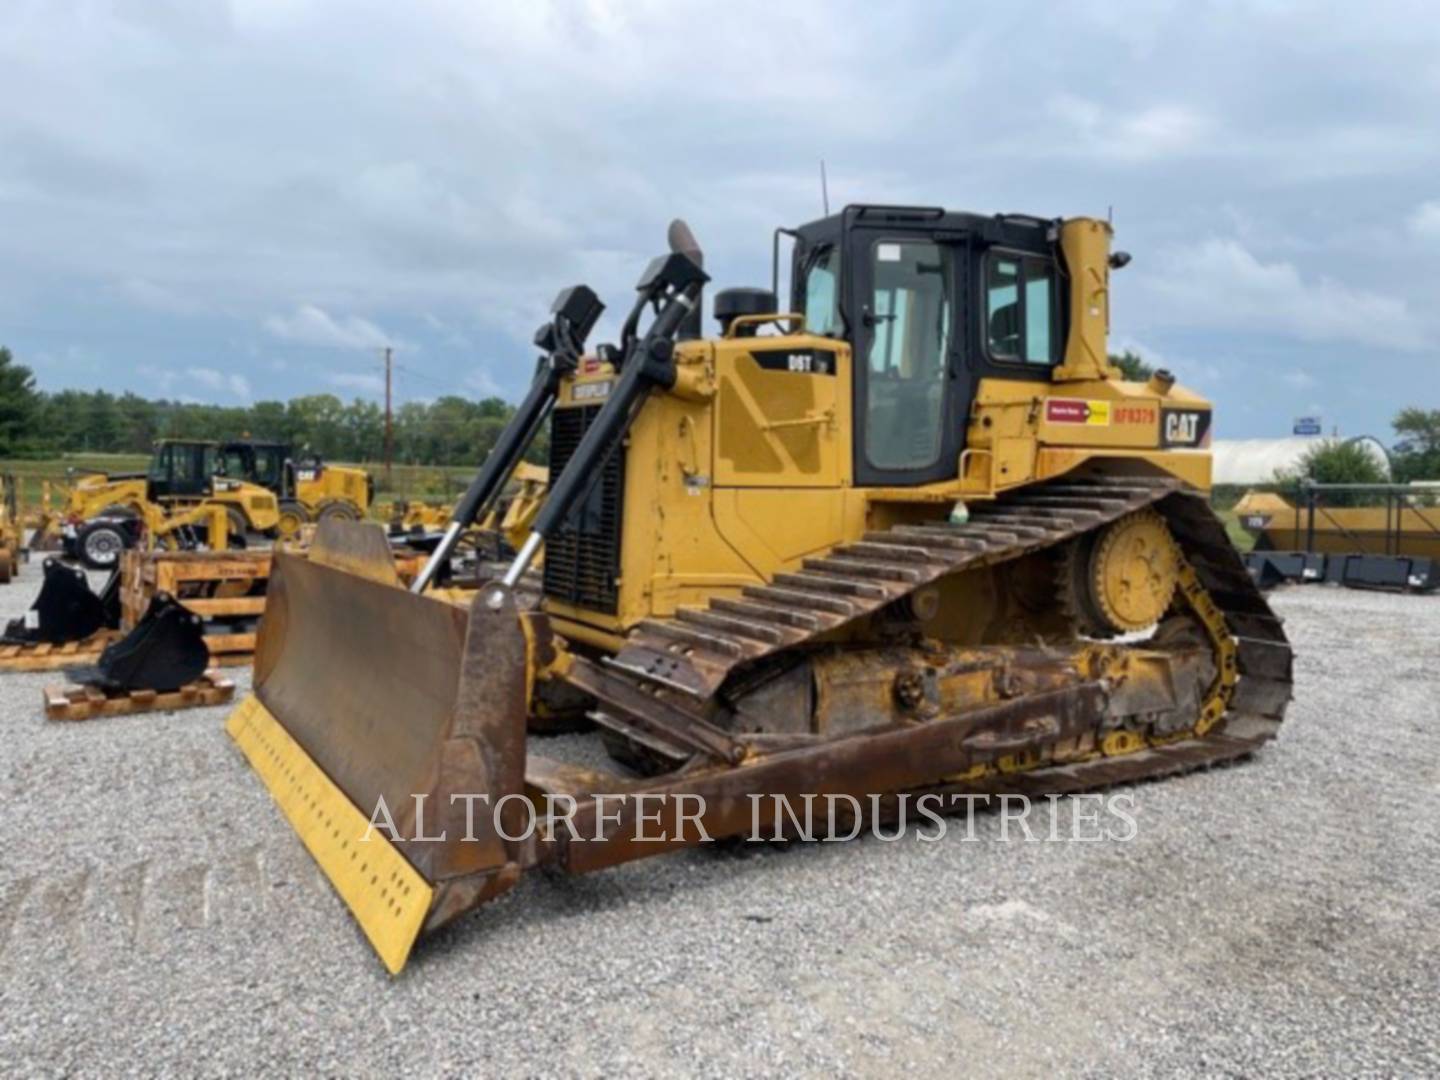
575,312
672,283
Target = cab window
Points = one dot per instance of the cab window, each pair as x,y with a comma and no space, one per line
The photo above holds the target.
160,463
1021,309
234,464
267,466
908,318
186,463
822,289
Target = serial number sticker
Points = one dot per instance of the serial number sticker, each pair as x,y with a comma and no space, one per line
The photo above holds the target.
1077,411
591,391
1134,414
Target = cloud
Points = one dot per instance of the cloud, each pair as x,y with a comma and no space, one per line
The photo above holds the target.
154,296
312,325
1165,129
247,180
482,383
370,384
1300,380
1425,221
233,384
1218,283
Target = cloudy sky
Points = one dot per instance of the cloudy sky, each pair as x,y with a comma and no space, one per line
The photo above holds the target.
228,200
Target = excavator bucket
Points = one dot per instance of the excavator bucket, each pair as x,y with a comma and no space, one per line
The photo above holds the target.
390,727
66,609
164,651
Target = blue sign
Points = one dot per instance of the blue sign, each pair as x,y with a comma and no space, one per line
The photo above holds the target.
1307,425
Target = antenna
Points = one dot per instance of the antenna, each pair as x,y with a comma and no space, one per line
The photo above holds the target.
824,189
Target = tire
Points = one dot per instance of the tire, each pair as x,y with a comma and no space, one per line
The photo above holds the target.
292,516
237,529
338,511
98,544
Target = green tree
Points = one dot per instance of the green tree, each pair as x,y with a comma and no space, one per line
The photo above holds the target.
139,423
1132,365
1416,455
19,405
452,430
1333,461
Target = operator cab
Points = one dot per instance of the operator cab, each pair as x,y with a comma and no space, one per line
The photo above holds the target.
258,462
182,470
931,301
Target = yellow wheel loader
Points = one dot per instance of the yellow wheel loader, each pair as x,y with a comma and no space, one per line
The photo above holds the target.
907,535
107,513
11,527
308,490
504,526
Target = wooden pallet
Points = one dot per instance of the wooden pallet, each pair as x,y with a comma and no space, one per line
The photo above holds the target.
184,573
87,701
45,657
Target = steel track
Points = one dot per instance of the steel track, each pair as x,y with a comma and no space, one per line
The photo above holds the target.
661,684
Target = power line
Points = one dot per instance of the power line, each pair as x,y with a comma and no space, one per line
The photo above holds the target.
389,420
424,378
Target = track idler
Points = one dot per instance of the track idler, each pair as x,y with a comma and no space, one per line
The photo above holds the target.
66,609
165,651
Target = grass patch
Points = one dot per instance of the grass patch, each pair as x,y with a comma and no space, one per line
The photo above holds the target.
1242,540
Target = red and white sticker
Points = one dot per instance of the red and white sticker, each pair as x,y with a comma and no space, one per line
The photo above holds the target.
1076,411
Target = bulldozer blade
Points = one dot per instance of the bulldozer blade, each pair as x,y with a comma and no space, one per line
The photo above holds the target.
164,651
66,609
388,726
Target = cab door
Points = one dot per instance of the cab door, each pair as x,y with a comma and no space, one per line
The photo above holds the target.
157,480
191,468
903,305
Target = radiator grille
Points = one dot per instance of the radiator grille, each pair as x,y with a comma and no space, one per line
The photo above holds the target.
582,558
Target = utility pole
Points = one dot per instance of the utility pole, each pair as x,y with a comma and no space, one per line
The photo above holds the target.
389,424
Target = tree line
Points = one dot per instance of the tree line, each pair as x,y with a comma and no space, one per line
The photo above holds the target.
449,430
453,430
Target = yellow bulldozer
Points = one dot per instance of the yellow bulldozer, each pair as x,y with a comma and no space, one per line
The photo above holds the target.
170,503
906,535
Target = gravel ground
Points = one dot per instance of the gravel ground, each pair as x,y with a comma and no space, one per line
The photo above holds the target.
1277,917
